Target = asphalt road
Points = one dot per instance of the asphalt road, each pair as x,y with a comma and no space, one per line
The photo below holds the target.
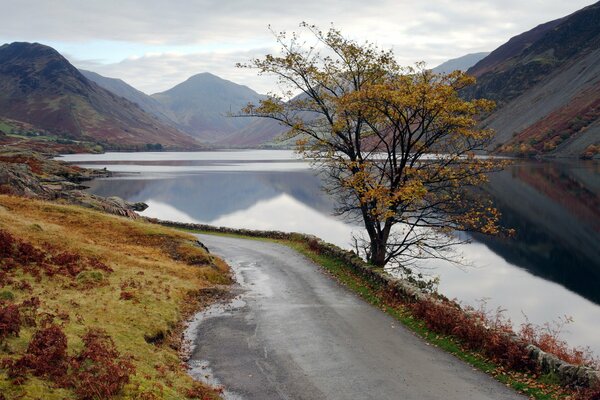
294,333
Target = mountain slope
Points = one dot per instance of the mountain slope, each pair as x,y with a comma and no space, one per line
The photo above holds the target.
40,87
123,89
202,103
461,63
546,83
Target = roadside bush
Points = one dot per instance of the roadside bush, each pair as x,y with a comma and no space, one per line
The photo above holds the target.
99,371
477,331
547,338
202,392
314,246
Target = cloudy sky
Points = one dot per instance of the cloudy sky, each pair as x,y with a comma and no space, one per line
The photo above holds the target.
155,44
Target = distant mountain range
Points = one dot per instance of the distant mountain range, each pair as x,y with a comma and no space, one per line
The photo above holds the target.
461,63
38,86
202,106
546,83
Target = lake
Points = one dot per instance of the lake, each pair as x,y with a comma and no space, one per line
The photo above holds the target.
549,269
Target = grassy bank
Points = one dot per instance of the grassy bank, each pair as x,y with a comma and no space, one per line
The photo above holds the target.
98,279
536,386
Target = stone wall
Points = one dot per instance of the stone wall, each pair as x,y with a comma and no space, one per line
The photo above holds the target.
567,373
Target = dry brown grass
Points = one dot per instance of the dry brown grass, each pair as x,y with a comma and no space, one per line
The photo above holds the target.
159,268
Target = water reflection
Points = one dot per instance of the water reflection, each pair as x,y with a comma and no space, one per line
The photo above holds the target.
550,268
555,211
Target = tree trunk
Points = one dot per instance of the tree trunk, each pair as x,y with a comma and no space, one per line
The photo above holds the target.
379,241
378,252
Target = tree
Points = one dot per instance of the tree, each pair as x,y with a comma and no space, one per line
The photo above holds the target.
396,145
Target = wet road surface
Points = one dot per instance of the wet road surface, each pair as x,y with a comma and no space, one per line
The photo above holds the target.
294,333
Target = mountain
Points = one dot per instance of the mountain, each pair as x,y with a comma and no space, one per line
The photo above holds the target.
40,87
123,89
202,103
461,63
546,83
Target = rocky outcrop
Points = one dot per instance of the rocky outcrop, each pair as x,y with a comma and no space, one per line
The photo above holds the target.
30,174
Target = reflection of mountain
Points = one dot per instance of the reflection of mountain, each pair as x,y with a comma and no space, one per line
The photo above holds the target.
557,221
554,208
206,197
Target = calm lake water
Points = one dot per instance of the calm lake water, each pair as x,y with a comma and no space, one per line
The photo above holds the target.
551,268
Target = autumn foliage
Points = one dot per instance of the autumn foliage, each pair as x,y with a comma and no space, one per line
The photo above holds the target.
99,371
395,144
46,356
494,337
19,254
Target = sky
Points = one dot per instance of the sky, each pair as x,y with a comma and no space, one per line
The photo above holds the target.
156,44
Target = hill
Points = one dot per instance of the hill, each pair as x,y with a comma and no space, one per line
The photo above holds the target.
461,63
202,103
90,302
38,86
546,83
123,89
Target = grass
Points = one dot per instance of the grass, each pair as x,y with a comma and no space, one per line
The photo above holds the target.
161,269
536,387
4,127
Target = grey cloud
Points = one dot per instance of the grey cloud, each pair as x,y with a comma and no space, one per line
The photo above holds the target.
432,31
199,21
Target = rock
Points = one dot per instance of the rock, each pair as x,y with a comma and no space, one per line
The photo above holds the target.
139,206
30,174
203,246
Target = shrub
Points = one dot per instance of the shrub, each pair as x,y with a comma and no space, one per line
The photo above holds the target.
6,295
46,356
98,370
29,311
588,394
10,321
477,331
90,278
67,263
548,338
125,295
313,245
202,392
16,253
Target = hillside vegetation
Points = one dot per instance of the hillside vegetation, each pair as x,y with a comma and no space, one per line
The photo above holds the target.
546,83
91,304
39,87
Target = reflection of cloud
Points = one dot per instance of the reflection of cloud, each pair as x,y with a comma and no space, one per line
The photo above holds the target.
287,214
164,211
517,291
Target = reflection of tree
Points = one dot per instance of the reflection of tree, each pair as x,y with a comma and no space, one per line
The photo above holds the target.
557,234
551,206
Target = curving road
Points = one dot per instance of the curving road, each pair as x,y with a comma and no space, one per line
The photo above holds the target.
294,333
